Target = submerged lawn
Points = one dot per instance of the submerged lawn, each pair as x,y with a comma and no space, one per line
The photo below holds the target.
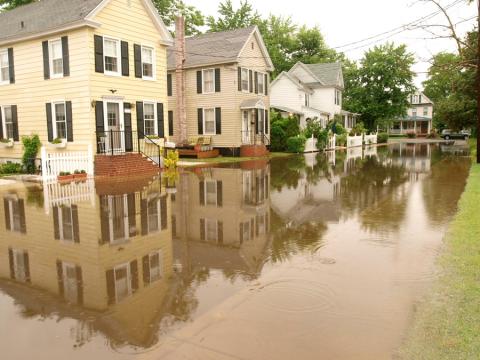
234,159
447,324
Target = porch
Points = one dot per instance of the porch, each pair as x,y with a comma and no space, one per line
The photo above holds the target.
255,137
419,126
349,119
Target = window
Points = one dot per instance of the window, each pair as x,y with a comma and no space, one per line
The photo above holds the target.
147,62
414,112
245,80
155,266
425,111
60,126
70,282
153,215
111,50
14,215
210,192
8,126
307,100
56,58
119,227
211,230
149,118
208,81
4,67
65,223
123,286
209,121
261,223
338,97
261,121
261,83
20,265
246,233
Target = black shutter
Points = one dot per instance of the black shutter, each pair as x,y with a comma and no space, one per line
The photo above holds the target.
266,122
125,63
46,62
12,265
99,122
250,77
257,122
217,80
1,124
98,54
219,193
201,193
199,82
134,274
220,232
200,121
78,273
146,270
127,119
137,55
218,121
256,82
68,115
266,84
11,66
16,137
66,56
161,120
169,85
60,278
26,261
56,224
76,227
163,212
202,229
144,215
7,214
140,123
104,220
132,220
170,123
23,221
110,286
239,79
48,108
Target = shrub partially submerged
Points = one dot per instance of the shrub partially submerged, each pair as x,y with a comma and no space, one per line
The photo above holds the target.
382,138
296,144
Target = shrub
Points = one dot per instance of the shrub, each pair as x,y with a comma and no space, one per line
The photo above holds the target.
358,129
382,138
172,159
56,141
313,127
31,145
432,135
411,135
341,140
10,168
322,139
296,144
278,138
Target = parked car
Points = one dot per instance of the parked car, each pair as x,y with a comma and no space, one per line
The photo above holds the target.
448,134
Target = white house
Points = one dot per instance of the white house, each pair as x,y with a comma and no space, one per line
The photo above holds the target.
418,118
311,91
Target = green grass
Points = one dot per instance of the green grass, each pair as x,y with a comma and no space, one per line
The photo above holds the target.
233,159
447,323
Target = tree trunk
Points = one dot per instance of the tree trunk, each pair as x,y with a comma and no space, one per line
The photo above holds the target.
478,84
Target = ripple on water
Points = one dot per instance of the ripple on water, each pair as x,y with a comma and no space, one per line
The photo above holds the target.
296,296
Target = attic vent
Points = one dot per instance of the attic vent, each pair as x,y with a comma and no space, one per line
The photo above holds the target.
253,45
22,24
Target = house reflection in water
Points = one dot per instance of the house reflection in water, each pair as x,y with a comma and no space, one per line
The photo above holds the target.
109,263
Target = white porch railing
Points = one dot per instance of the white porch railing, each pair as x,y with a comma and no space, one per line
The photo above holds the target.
353,141
370,139
55,163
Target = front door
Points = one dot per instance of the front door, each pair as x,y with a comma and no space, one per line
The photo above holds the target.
114,127
246,127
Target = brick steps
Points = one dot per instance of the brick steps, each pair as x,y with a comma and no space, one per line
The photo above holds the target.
253,150
124,165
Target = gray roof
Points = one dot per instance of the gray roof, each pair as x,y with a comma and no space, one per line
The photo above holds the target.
212,48
327,73
43,15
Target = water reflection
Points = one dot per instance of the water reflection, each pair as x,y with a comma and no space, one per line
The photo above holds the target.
132,262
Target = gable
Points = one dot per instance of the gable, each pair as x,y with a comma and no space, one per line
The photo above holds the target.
302,74
254,52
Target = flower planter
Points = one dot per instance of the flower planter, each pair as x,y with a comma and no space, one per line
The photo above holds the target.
6,145
61,145
80,176
65,178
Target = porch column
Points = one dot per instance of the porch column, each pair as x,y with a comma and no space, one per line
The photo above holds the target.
415,126
401,127
429,126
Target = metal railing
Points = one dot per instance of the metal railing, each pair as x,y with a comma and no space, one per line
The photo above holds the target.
119,142
250,138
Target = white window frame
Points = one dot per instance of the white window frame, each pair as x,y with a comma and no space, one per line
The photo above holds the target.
54,118
50,58
159,275
206,195
338,97
7,80
211,222
158,215
69,293
4,122
203,81
60,224
414,112
155,120
126,224
246,227
119,57
247,90
261,75
214,122
12,216
261,114
154,68
425,111
129,281
19,275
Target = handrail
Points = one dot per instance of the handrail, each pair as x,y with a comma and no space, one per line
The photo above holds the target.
155,153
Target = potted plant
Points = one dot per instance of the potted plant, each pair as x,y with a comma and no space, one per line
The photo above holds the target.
58,143
65,176
80,174
6,143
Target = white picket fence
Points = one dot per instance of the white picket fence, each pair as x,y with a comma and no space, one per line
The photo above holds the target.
55,163
311,145
331,142
370,139
353,141
56,194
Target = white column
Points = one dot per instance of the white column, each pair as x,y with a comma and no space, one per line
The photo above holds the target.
429,126
401,127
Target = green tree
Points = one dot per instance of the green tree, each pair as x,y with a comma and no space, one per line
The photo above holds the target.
6,5
231,18
169,10
310,47
380,87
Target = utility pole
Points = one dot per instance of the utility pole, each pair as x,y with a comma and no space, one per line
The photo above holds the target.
478,82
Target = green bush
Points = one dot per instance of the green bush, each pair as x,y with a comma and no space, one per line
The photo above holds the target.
31,145
382,138
336,126
278,138
358,129
322,139
296,144
341,140
432,135
411,135
282,129
10,168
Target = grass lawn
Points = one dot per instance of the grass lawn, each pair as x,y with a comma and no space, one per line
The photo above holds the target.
234,159
447,323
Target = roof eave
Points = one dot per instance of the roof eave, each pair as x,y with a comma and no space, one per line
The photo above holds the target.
189,67
263,48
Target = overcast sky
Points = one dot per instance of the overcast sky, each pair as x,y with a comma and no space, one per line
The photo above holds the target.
347,21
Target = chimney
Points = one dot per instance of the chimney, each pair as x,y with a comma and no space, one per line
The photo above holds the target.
181,113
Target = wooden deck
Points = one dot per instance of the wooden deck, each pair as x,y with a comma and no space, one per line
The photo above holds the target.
200,154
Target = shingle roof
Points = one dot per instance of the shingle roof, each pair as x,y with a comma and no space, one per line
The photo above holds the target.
211,48
43,15
328,73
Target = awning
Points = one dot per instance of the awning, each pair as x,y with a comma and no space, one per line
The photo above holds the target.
288,110
252,104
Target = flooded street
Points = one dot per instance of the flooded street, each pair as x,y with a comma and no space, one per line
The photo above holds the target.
309,257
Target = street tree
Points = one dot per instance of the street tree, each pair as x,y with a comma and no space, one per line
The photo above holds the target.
6,5
170,9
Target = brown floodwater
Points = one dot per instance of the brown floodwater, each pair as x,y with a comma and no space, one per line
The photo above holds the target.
310,257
